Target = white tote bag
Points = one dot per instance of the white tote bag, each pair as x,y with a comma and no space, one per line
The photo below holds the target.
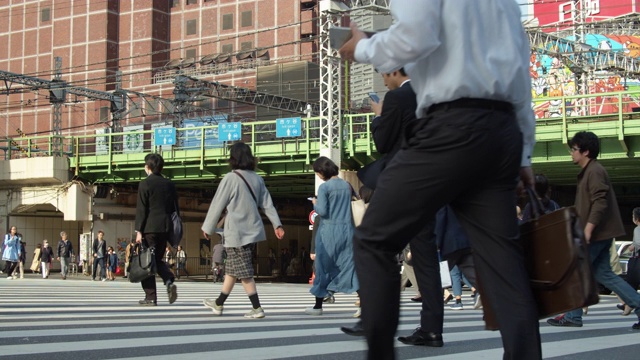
445,275
358,207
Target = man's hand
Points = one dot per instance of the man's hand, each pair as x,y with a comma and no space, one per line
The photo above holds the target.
138,237
376,107
526,179
588,231
348,50
206,236
312,256
279,232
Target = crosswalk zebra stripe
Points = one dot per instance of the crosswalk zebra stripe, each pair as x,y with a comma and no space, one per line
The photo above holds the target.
80,318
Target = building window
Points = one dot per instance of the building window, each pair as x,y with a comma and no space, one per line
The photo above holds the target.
46,14
191,53
227,21
227,49
191,27
246,18
247,45
192,2
175,3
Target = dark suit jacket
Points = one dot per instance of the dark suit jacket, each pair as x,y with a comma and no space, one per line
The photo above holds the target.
398,110
157,199
96,243
450,236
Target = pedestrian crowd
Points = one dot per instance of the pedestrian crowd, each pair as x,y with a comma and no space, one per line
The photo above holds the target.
456,134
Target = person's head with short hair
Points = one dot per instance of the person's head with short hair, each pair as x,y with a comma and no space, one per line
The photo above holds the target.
45,242
63,235
110,249
584,146
153,164
394,80
241,158
179,247
325,168
636,215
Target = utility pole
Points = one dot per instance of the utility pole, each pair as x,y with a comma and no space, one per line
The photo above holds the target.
57,96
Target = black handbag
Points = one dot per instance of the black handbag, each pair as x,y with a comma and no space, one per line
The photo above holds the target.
142,264
557,259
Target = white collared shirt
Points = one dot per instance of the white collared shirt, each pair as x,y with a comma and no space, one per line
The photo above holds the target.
454,49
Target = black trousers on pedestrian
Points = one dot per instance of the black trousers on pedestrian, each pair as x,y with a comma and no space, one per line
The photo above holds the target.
469,158
158,241
633,272
424,255
9,266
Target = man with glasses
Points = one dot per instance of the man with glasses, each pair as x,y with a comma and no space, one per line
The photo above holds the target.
598,211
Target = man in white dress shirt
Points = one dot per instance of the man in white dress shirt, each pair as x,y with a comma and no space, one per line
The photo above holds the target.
471,143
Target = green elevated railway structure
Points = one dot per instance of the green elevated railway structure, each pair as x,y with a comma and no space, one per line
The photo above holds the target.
285,162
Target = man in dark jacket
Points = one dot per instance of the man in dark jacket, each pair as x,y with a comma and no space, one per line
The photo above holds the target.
598,211
393,117
99,253
65,250
157,200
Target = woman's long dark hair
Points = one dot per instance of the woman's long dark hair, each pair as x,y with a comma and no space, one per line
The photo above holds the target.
241,158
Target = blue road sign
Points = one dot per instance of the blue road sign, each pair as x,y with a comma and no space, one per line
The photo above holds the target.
164,136
288,127
230,131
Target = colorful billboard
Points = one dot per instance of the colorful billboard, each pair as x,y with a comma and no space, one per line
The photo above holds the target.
563,13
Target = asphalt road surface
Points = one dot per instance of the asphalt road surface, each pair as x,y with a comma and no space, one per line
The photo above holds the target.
53,319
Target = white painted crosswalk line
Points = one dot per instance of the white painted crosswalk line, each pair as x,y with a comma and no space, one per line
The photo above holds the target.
58,319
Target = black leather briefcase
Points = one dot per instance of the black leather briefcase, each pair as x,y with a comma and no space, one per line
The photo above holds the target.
142,264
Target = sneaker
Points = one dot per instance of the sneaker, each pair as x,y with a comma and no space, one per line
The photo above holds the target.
9,277
255,314
145,302
211,303
172,291
562,321
358,313
456,306
329,299
103,280
14,277
477,304
313,312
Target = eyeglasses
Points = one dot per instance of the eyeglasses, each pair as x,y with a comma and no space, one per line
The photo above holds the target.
573,149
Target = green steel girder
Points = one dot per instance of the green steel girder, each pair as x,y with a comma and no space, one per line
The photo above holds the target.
285,162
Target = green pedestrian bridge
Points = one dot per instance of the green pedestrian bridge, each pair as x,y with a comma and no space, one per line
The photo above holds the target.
285,162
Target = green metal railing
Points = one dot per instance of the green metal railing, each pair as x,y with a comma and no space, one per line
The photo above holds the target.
107,157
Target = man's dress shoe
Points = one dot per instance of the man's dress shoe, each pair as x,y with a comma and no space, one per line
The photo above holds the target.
420,337
355,330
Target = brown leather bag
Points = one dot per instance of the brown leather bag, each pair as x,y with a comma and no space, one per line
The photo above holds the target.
557,259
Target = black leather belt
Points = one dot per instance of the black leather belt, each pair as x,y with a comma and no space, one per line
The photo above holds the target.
470,103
